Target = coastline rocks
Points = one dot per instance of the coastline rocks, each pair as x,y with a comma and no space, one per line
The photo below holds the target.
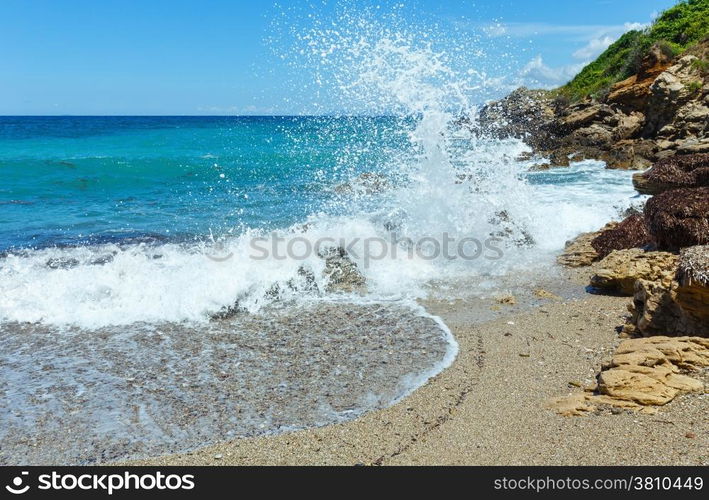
670,91
619,271
648,371
642,374
579,252
693,284
523,114
634,91
656,311
342,274
679,218
630,233
661,111
674,307
681,171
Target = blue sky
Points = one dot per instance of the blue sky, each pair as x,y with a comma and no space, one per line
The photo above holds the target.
222,57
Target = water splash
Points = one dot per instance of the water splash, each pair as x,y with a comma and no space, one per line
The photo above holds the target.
438,181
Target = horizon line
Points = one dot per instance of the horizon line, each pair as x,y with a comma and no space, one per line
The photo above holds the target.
329,115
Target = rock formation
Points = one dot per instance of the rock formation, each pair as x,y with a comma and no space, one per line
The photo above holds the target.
677,306
679,218
660,111
579,252
342,274
686,171
631,233
648,371
642,373
619,271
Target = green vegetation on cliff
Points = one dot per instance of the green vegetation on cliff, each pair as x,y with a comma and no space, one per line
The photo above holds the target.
676,30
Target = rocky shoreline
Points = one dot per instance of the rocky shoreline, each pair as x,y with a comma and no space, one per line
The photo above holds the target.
660,112
660,258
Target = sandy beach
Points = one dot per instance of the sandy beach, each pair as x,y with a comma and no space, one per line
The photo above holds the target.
489,407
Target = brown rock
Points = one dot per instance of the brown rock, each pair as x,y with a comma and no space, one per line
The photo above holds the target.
508,300
656,310
669,92
621,156
642,373
545,294
679,218
634,91
647,371
595,135
628,126
681,171
631,233
619,271
579,252
583,115
693,283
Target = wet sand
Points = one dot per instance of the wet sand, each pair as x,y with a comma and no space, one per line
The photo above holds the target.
125,393
489,406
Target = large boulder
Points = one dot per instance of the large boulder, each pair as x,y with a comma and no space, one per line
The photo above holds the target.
670,91
693,283
656,311
679,218
681,171
679,306
619,271
631,233
628,125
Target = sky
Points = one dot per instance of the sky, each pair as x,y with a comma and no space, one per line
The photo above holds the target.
214,57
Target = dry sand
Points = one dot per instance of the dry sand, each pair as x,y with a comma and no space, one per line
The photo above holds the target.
489,406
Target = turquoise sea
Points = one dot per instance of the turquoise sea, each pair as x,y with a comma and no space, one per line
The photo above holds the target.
78,180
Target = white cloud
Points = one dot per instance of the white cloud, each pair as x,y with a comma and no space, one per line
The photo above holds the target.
602,41
594,47
597,38
537,74
635,26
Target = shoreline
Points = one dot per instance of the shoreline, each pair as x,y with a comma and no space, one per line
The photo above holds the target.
489,406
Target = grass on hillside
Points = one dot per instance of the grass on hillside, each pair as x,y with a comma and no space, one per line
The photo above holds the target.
676,30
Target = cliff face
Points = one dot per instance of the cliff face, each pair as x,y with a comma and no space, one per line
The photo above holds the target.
660,111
